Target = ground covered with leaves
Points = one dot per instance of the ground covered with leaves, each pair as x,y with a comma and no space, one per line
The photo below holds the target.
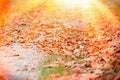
75,49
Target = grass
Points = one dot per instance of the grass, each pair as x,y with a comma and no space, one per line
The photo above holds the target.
68,59
46,72
50,59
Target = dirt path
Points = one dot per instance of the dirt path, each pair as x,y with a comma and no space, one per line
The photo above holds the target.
20,63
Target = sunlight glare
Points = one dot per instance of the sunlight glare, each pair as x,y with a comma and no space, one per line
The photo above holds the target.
73,3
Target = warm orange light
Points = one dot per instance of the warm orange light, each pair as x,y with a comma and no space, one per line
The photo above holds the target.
93,11
25,5
73,3
8,7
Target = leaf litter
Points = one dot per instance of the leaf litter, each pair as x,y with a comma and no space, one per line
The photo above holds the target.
83,53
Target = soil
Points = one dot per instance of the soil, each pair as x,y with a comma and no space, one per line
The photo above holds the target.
20,62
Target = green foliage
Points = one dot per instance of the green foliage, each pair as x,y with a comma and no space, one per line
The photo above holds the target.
48,71
50,59
68,59
52,70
